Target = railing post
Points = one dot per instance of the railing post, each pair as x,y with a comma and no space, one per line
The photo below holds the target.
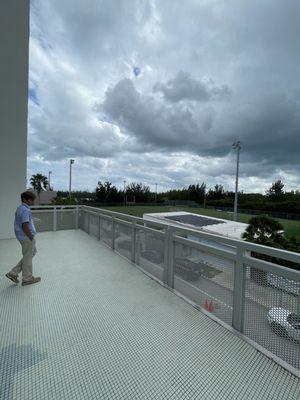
54,219
166,254
238,292
133,238
169,257
99,227
138,246
113,233
77,218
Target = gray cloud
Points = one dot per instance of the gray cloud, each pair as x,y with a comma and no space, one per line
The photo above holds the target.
154,123
184,87
266,126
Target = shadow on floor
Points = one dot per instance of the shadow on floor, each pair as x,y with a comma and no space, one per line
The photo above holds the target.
14,359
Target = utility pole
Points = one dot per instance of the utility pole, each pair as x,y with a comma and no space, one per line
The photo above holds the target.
124,202
236,146
156,193
49,185
70,182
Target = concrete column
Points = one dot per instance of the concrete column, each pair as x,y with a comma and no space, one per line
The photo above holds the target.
14,47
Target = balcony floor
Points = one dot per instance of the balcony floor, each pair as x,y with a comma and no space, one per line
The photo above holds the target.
96,327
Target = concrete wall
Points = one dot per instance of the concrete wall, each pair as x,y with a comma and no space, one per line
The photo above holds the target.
14,44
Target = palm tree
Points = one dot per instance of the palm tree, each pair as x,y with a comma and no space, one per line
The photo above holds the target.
264,230
268,232
39,182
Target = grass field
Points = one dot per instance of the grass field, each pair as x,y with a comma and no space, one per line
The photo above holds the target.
291,228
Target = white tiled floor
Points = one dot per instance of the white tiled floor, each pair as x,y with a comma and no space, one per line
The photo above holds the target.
98,328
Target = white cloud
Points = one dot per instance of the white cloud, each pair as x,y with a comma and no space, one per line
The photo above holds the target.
220,73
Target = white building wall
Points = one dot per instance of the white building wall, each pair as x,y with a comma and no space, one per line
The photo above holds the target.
45,197
14,45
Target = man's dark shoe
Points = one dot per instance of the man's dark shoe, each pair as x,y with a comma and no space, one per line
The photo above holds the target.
34,279
12,277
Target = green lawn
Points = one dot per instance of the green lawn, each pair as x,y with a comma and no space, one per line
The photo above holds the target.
291,228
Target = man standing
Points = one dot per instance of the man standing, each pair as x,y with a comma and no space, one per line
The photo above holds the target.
25,232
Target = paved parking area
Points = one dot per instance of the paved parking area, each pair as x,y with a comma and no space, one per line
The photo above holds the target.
96,327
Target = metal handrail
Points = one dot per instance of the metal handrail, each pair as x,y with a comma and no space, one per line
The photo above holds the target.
229,255
234,243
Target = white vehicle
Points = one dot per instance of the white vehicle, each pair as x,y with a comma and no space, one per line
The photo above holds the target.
284,323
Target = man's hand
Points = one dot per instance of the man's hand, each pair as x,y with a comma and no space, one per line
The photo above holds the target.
26,230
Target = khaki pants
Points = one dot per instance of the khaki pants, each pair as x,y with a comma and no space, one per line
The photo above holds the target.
25,264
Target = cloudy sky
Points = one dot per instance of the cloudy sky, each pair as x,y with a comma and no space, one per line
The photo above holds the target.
156,91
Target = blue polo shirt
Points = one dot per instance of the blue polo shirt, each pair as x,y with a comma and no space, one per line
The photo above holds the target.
23,214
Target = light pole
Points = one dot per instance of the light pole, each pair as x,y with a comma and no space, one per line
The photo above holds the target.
49,186
124,202
236,146
155,193
70,182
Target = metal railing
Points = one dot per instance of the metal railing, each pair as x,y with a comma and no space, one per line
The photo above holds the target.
54,218
223,277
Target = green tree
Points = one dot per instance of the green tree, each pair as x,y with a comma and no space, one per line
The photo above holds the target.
107,192
196,192
264,230
276,190
217,193
139,192
39,183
